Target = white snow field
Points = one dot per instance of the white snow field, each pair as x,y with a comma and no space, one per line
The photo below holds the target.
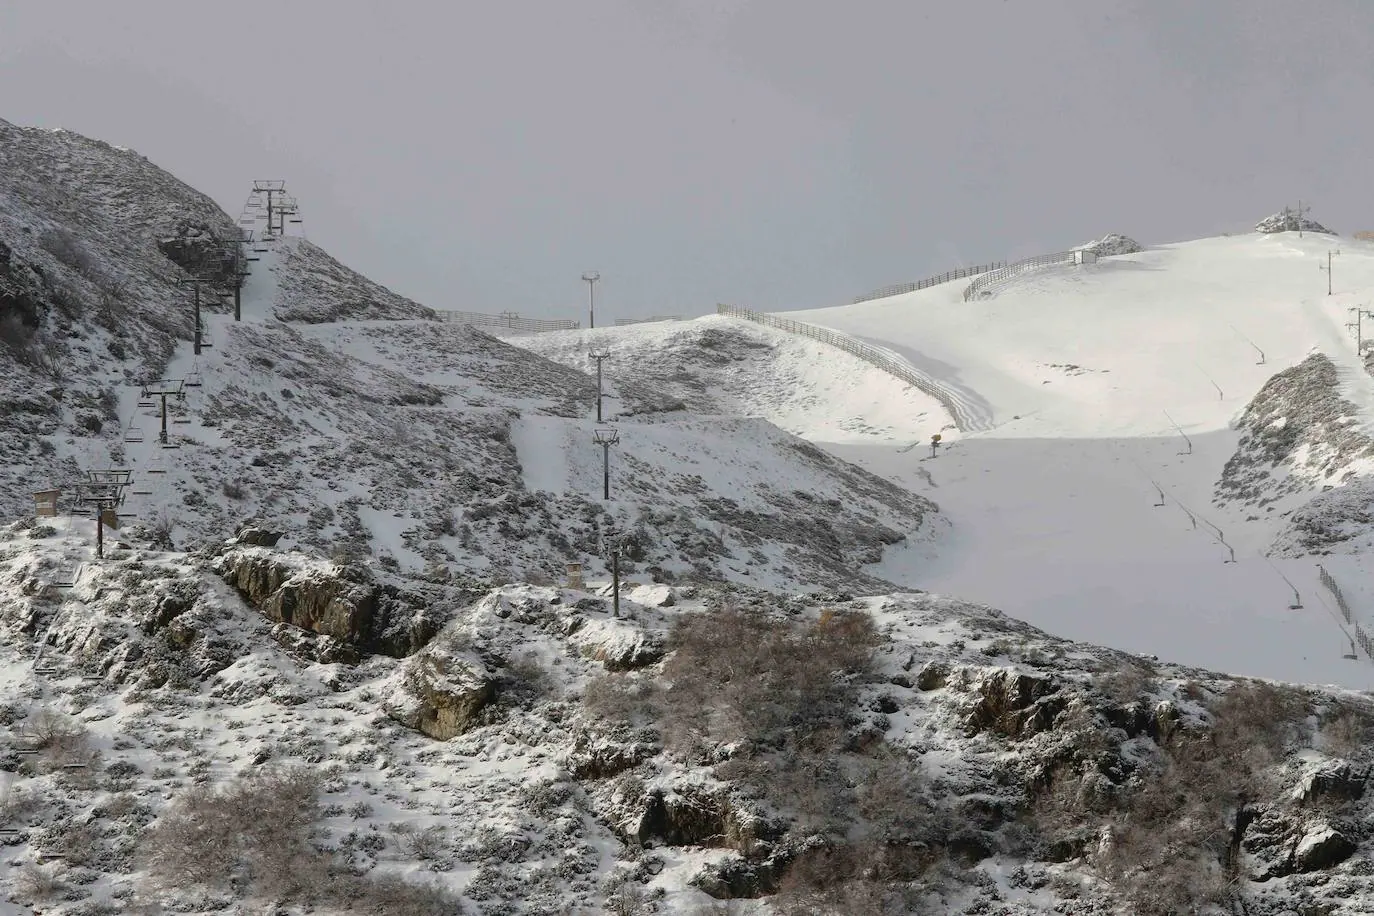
1102,380
1094,374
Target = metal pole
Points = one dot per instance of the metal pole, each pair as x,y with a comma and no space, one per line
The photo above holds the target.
591,277
163,435
100,530
615,581
599,395
197,340
238,296
606,470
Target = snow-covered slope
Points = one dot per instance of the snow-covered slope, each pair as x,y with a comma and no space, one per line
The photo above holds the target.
1116,387
1103,504
721,365
407,439
947,760
1107,349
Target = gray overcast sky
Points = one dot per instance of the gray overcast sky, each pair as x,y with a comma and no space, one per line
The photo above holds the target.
771,153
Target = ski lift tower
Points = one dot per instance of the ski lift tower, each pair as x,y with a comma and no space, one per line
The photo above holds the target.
199,342
103,492
163,389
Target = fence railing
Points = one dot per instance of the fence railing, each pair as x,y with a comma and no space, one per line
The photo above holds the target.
621,322
899,289
509,321
1360,636
988,281
869,354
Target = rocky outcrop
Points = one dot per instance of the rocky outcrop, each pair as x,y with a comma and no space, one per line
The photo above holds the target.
441,693
340,602
1112,243
1015,705
1288,221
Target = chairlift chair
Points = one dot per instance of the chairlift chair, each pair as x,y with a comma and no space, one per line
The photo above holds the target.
193,378
156,466
133,434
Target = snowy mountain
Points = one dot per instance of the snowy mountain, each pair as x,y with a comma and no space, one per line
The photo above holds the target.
378,696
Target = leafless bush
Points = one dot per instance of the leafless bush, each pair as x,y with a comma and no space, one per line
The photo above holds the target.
62,739
1347,731
39,882
739,676
859,880
17,807
254,833
620,698
426,844
161,527
233,489
1127,684
16,336
78,844
67,249
248,830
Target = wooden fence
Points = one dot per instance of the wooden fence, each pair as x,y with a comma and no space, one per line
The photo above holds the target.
901,288
989,281
508,321
869,354
621,322
1360,636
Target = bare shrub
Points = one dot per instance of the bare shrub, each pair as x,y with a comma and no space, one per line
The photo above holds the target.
623,698
39,882
1348,730
254,834
233,489
1173,848
1127,684
852,880
428,844
739,676
62,739
245,831
16,337
67,249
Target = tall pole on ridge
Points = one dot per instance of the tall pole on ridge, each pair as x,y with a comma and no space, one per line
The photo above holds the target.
591,277
606,438
599,355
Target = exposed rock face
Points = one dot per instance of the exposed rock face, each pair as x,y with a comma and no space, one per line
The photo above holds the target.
442,691
1113,243
1296,438
1015,705
195,248
372,618
1288,221
253,536
1322,848
1334,782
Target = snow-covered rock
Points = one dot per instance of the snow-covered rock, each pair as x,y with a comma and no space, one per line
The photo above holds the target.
1110,244
1289,221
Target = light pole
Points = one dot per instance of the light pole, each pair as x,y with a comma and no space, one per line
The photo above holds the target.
1357,324
1329,253
614,544
591,277
599,355
606,438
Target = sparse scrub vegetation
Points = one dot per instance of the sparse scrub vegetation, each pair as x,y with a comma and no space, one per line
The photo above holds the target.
255,833
1348,731
1169,842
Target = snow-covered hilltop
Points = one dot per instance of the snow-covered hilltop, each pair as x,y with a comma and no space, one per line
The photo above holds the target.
384,694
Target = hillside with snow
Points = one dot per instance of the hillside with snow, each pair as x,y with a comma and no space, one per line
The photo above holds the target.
334,659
